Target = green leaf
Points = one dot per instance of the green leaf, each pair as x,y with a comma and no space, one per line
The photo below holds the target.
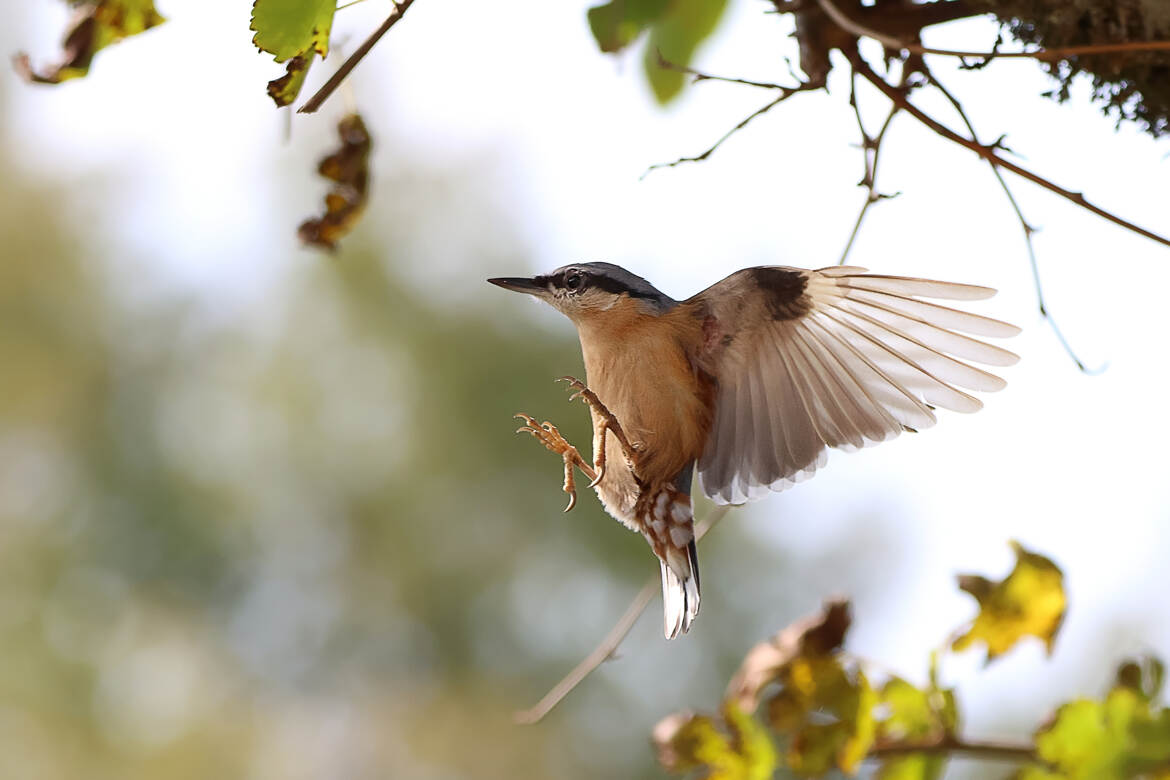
1121,737
738,748
1029,602
100,24
616,24
293,31
291,28
676,36
677,28
911,714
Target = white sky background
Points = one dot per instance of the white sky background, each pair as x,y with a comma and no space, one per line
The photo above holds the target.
1073,466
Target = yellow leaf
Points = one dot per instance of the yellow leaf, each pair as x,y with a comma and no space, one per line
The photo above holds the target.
818,634
1029,602
738,748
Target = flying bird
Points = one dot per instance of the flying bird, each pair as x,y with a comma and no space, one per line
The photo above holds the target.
750,382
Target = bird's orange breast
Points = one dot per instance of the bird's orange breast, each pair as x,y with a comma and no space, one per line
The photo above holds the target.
639,366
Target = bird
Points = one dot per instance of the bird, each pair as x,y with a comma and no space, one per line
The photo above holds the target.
749,383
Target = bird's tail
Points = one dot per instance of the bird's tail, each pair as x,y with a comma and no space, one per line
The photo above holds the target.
669,527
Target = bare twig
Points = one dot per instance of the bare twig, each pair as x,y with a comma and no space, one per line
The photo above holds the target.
785,93
351,62
1025,226
871,147
610,643
988,151
699,75
1046,55
991,751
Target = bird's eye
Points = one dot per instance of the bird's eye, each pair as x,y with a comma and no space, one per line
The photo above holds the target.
574,282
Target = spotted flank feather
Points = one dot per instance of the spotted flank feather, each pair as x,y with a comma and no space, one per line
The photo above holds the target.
667,522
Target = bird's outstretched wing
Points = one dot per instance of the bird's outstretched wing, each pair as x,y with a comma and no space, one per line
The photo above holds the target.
837,357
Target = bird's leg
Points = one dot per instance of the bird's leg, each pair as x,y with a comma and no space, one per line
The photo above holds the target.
607,424
548,435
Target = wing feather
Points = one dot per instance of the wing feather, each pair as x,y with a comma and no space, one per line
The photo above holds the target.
809,360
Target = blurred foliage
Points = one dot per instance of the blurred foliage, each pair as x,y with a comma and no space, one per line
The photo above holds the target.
822,707
674,30
298,539
1030,601
96,25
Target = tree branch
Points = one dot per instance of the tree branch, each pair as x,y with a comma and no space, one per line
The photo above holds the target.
610,643
1045,55
330,86
991,751
1024,225
699,75
988,152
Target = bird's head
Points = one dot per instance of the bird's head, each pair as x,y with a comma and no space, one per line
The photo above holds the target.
588,292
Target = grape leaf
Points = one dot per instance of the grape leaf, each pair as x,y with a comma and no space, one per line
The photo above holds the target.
1030,601
348,167
97,24
292,31
1122,737
676,29
738,748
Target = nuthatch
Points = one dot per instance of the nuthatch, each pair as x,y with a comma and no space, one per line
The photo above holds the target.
752,380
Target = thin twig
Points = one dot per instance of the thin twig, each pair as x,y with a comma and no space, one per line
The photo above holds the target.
335,80
988,151
991,751
785,93
1025,226
609,644
868,144
699,75
1046,55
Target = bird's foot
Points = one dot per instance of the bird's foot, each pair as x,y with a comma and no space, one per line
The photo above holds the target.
606,424
548,435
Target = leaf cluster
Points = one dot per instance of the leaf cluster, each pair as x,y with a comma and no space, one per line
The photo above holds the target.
802,703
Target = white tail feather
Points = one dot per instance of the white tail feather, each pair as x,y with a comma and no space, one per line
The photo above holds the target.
680,594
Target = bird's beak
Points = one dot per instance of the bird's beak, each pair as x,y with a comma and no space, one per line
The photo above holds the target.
520,284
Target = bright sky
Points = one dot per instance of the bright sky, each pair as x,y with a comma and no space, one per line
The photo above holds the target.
1070,465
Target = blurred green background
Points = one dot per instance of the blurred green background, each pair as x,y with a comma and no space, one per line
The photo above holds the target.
301,540
262,511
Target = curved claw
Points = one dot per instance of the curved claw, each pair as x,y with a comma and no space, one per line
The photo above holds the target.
572,502
600,476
